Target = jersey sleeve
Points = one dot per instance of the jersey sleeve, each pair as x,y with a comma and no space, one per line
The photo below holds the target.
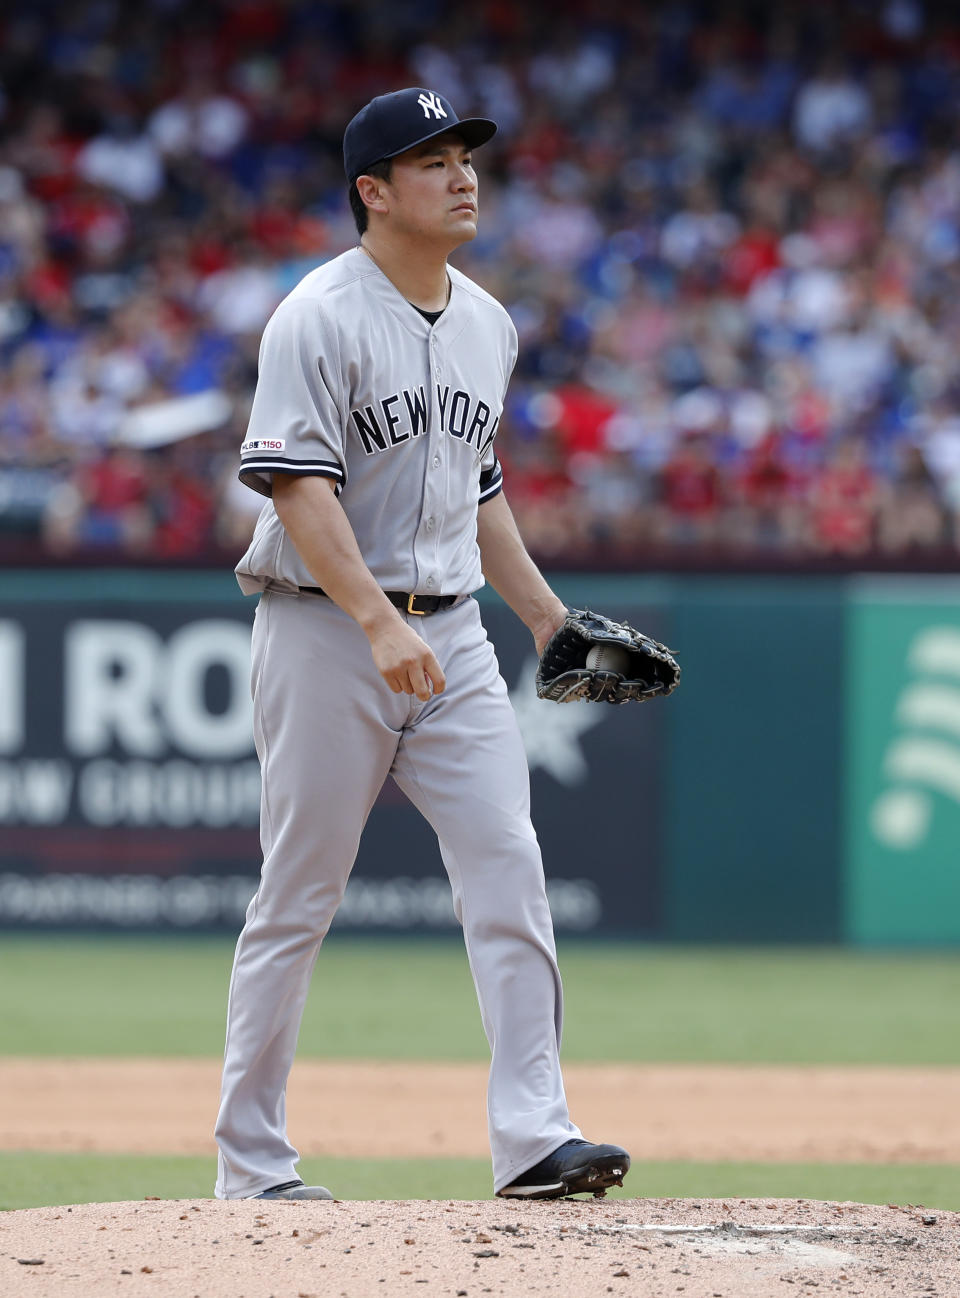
491,477
491,471
295,424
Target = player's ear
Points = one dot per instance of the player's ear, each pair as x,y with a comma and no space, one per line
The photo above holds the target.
371,191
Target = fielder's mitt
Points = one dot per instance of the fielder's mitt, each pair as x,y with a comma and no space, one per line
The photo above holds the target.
648,667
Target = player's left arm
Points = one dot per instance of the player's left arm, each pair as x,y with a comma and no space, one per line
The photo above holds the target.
512,573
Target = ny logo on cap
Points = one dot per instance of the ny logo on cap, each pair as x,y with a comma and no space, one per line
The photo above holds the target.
431,104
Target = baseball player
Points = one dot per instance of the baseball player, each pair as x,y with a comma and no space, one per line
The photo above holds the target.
381,385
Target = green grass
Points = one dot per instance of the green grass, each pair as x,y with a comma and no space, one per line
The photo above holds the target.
35,1180
395,999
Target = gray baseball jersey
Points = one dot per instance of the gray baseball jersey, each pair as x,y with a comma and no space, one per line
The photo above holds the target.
356,385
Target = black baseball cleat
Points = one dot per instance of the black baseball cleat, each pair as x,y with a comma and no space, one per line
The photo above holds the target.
577,1167
295,1190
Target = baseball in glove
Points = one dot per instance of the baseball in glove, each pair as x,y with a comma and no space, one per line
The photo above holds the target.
592,658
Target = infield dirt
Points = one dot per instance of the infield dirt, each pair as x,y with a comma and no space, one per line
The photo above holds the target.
392,1110
652,1248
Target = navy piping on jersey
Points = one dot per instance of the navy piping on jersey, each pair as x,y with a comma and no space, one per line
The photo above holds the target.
491,482
251,469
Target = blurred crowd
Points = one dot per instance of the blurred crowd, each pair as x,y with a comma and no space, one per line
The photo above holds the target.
728,234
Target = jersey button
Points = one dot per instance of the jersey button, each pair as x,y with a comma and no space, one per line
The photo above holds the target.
429,581
430,524
436,461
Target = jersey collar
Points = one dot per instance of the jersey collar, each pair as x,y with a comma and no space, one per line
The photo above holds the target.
385,291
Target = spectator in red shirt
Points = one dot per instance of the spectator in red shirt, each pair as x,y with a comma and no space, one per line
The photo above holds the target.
103,506
768,495
844,497
689,493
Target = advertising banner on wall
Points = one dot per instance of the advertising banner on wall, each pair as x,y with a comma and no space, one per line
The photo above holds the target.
903,789
129,785
753,825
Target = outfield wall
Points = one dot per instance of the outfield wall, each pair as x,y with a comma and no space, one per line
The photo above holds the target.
803,784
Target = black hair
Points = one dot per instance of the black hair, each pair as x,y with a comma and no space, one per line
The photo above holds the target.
379,171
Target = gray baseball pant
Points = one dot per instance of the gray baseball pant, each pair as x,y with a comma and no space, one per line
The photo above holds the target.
328,731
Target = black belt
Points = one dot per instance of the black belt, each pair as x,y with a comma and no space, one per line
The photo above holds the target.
420,605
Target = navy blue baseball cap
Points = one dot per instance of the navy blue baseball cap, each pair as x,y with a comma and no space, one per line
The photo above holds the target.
391,124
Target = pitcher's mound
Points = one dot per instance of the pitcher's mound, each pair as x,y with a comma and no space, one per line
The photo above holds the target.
710,1248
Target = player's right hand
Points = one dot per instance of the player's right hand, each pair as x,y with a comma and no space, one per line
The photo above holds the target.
407,663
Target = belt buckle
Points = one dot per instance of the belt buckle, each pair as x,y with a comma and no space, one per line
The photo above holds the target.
417,612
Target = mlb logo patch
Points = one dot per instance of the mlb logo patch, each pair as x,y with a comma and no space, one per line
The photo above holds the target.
263,444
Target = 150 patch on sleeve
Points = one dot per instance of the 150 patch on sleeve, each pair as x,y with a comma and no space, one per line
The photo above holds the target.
263,444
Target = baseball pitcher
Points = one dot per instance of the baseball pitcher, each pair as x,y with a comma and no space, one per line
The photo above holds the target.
373,437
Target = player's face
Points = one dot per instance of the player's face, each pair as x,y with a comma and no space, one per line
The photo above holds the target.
432,192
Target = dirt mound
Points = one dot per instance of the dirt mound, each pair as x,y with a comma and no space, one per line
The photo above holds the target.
708,1249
